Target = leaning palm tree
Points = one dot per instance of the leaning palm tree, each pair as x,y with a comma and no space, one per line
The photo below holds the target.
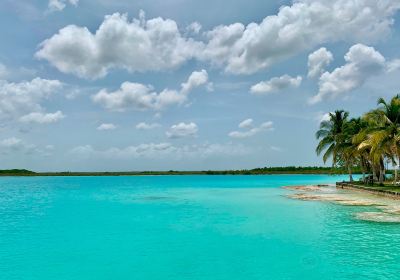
330,134
363,151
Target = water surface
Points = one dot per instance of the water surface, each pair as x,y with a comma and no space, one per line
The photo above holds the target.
186,227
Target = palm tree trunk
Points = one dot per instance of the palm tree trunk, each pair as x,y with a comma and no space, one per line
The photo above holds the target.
395,169
362,169
381,171
350,173
375,178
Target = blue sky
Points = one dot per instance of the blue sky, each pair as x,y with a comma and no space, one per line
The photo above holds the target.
159,85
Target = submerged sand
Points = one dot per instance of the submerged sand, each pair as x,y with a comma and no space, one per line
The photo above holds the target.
385,210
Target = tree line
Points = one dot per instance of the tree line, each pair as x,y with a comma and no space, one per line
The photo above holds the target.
255,171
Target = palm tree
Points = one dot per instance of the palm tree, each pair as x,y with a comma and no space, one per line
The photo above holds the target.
330,134
363,151
349,153
367,142
384,133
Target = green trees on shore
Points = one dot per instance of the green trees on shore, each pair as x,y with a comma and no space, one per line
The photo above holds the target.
367,142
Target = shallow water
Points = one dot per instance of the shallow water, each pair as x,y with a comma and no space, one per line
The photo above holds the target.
186,227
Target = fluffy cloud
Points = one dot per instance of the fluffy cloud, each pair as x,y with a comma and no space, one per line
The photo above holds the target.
147,126
194,27
106,126
182,130
18,99
163,150
42,118
301,26
276,84
157,44
251,130
362,62
143,97
246,123
137,46
196,79
318,61
221,40
59,5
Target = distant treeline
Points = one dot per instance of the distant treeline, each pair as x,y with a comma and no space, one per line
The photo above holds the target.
16,172
256,171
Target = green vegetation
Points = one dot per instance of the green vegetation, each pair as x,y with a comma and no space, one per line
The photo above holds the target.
386,186
256,171
368,143
16,172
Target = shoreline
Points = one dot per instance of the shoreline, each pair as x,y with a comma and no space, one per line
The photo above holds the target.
116,174
353,187
306,170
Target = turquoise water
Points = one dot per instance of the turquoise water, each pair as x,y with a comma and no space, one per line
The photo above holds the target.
185,227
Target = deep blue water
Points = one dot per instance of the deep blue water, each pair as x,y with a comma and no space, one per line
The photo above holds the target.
185,227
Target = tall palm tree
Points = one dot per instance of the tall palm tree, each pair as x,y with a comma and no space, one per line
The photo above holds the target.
349,153
330,134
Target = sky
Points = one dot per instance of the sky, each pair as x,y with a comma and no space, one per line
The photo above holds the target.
127,85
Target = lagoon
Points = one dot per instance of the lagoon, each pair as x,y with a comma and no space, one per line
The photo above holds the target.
186,227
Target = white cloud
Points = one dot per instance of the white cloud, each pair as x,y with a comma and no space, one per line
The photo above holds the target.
106,126
296,28
221,41
318,61
182,130
266,126
18,99
143,97
276,84
42,118
246,123
362,62
321,116
147,126
393,65
12,145
239,49
164,151
59,5
194,27
196,79
136,46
